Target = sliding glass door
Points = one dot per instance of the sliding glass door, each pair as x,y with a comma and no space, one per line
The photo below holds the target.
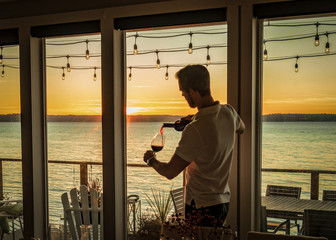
298,111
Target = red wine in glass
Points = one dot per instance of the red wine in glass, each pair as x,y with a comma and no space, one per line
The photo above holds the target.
158,142
157,148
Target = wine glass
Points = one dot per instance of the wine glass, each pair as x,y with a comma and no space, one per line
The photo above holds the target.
158,142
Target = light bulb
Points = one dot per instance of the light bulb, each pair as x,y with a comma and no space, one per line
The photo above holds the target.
3,73
296,67
158,64
265,54
87,54
95,74
135,51
317,40
63,76
1,56
68,67
208,60
190,50
167,76
327,48
129,76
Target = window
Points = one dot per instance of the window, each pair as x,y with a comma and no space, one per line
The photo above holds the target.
153,97
299,106
74,117
10,126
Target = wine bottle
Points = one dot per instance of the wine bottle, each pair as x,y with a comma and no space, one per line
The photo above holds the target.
179,125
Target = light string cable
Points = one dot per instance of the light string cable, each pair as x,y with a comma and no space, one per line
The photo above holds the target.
176,50
8,66
77,68
303,24
299,37
136,35
1,53
148,67
297,57
316,36
173,35
173,65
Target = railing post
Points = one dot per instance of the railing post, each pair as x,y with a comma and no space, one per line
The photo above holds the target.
83,173
314,185
1,182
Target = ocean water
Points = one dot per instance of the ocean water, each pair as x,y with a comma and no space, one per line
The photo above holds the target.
293,145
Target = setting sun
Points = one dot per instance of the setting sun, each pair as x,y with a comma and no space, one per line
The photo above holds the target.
134,110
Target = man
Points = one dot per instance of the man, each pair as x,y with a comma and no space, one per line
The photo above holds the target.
205,148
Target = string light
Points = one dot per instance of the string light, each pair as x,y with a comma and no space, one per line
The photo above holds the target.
95,74
158,65
190,49
265,51
63,74
296,64
174,35
208,62
1,56
135,50
3,71
130,74
317,37
87,53
68,64
167,75
327,46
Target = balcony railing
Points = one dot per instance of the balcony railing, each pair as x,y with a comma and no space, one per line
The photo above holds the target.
314,178
83,166
314,174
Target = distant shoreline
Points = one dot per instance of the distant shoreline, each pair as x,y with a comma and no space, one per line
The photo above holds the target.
171,118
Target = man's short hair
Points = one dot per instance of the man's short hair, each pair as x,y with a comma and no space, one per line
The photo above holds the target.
195,77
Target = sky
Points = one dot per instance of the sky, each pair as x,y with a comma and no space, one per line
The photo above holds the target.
310,90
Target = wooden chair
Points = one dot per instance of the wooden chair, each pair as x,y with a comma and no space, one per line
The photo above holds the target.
178,200
319,223
283,191
329,195
270,236
11,211
85,209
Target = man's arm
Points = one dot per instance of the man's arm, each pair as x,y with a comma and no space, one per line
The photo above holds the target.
241,128
169,170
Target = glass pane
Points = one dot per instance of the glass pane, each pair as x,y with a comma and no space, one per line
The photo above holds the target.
74,120
10,130
153,98
298,127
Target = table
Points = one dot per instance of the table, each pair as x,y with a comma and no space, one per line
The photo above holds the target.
293,208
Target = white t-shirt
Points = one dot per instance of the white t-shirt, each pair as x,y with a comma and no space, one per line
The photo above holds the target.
207,143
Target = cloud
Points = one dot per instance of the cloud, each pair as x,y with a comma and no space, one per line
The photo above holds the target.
304,100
